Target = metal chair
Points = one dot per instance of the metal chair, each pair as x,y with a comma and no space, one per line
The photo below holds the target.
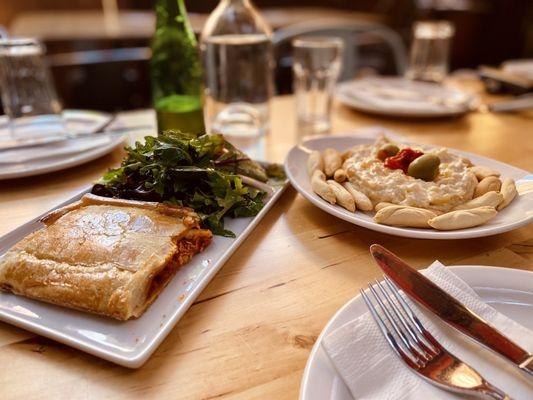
349,32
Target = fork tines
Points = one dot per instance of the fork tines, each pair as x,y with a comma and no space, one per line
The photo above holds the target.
401,328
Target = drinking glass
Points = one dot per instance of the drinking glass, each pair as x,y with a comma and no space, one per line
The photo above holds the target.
316,67
28,95
430,51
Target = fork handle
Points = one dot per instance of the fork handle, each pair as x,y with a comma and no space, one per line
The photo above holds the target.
497,396
492,392
527,365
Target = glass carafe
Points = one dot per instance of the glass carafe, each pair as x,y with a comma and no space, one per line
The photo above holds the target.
237,61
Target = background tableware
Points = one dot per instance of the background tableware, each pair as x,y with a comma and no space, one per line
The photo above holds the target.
28,94
522,68
507,290
317,65
82,135
519,213
401,97
499,81
58,149
66,154
520,103
429,57
127,343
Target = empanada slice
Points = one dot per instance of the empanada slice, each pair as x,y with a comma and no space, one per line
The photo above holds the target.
107,256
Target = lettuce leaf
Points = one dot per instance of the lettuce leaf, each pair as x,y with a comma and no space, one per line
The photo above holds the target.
196,171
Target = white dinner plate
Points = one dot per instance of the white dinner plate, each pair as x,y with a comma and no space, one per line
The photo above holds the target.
507,290
62,155
400,97
128,343
517,214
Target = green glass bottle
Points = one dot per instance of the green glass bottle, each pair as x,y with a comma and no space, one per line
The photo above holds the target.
175,70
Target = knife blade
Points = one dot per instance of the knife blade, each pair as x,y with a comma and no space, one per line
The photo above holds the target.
450,310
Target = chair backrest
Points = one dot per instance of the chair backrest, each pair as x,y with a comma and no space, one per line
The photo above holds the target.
349,32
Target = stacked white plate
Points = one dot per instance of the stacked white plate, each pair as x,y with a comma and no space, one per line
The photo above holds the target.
57,155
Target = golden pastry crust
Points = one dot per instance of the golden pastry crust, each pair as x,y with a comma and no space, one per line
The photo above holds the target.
107,256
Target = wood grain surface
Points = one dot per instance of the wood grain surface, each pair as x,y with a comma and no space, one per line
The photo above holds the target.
249,334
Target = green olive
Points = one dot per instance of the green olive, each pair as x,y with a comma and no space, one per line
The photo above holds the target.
425,167
387,150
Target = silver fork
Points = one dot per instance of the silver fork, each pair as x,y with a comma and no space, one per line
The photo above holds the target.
419,350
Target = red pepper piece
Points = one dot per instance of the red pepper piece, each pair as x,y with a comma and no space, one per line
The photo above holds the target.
402,159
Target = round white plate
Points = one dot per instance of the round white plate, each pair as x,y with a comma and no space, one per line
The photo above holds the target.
400,97
507,290
61,155
518,214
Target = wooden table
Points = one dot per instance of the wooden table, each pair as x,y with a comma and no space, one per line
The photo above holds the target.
250,332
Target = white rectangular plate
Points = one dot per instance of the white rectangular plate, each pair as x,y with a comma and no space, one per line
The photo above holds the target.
132,342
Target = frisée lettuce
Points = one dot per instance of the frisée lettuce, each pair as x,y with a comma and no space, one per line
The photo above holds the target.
202,172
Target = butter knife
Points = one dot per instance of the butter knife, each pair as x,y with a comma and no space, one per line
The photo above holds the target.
451,311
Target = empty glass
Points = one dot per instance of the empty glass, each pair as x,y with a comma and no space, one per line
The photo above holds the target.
28,95
316,67
430,51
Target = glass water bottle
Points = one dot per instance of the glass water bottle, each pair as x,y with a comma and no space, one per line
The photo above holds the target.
237,61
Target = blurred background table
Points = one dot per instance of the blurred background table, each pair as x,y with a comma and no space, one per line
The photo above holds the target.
86,24
99,49
250,332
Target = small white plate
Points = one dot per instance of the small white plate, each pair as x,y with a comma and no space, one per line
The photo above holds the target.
128,343
507,290
519,212
400,97
63,154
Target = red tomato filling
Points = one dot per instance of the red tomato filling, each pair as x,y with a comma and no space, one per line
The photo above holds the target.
402,159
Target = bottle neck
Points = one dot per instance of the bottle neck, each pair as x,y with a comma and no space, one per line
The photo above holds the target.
173,13
245,3
235,17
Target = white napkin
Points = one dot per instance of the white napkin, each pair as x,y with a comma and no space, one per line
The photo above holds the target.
403,95
369,368
377,100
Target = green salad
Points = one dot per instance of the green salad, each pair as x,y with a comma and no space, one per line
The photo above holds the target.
203,172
